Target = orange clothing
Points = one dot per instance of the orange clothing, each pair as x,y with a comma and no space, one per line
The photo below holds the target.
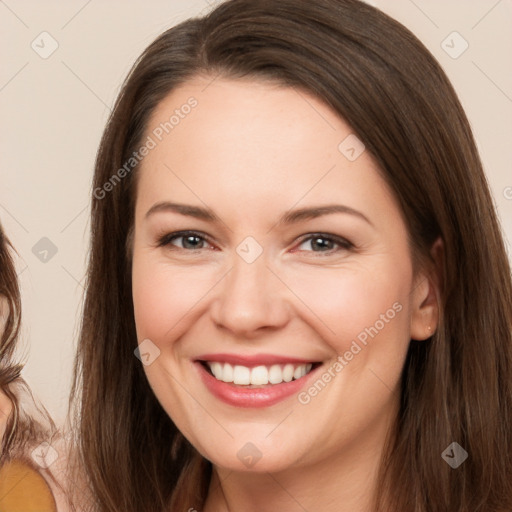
24,490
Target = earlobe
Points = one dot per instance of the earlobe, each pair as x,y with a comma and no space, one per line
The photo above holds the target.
425,300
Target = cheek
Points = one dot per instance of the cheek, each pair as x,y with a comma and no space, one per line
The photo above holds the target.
163,295
355,303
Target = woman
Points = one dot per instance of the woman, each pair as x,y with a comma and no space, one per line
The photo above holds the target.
29,441
292,232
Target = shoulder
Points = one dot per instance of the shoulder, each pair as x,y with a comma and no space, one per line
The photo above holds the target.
22,489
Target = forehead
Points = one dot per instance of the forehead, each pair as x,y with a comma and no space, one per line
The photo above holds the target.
267,118
253,142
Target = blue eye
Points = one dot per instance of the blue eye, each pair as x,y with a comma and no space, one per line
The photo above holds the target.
323,243
193,241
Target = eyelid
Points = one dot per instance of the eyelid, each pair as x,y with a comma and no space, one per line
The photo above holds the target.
343,243
167,238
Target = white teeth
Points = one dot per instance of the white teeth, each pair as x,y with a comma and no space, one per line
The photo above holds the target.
227,373
216,369
275,375
288,373
241,375
258,375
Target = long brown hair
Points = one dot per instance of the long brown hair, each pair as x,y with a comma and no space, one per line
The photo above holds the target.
28,423
10,313
456,387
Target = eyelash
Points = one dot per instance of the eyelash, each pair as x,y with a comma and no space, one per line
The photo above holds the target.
170,237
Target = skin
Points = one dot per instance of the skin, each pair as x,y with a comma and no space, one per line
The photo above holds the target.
5,411
251,151
5,403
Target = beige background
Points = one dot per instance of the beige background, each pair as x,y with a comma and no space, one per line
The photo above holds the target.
53,111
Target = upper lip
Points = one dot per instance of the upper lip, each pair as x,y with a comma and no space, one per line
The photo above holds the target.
251,360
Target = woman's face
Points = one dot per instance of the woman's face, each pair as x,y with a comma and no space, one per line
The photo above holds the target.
295,259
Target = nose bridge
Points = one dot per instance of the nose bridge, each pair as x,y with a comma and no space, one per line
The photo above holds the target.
250,296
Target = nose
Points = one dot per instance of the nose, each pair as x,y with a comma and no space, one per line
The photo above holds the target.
251,299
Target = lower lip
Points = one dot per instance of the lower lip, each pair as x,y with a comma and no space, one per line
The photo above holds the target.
239,396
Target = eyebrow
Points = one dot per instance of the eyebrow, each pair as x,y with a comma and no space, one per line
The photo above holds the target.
289,217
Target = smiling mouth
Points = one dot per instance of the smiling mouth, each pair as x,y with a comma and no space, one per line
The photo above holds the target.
257,376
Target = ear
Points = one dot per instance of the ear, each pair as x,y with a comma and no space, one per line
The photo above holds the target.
426,295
